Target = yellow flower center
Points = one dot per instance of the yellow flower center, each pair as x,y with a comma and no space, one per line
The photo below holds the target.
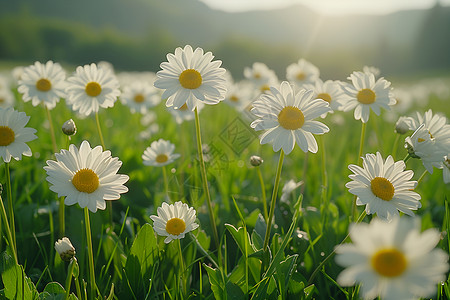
291,118
161,158
265,88
234,98
85,180
366,96
93,89
175,226
43,85
325,97
389,262
420,140
139,98
257,75
7,136
300,76
382,188
190,79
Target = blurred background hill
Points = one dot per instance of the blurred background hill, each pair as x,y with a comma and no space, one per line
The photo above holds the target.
137,34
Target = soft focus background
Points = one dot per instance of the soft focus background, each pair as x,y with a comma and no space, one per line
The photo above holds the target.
399,37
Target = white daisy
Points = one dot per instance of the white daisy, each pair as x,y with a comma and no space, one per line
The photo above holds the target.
288,188
91,88
371,69
329,91
43,83
289,118
140,96
183,113
421,145
65,249
191,77
174,220
86,176
302,72
384,187
14,135
392,260
260,74
240,95
6,98
160,153
365,94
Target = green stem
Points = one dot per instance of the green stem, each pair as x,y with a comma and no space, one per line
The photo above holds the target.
274,200
69,277
12,225
77,285
421,177
407,157
181,271
361,146
52,130
8,230
394,148
205,185
263,191
90,253
166,183
324,171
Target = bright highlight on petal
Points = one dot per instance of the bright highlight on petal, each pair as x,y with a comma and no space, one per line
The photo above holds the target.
7,136
85,180
93,89
389,262
382,188
291,118
190,79
366,96
175,226
43,85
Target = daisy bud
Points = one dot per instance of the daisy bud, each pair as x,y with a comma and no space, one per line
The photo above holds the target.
65,249
69,127
256,161
401,127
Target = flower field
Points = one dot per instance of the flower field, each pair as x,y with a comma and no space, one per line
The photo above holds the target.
188,184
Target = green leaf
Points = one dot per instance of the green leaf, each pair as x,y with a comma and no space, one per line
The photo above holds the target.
239,237
309,291
54,288
284,271
217,282
17,285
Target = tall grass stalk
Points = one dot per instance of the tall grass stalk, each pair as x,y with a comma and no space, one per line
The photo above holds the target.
90,254
8,230
12,225
360,153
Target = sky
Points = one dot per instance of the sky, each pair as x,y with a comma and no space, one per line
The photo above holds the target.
333,7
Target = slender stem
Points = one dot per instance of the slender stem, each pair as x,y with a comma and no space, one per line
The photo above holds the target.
407,157
274,200
421,177
181,271
69,277
324,171
77,285
61,208
263,191
394,148
90,252
205,184
52,130
305,169
8,230
12,225
166,183
361,146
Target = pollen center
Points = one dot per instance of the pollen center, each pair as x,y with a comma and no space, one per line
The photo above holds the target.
234,98
389,262
175,226
291,118
325,97
190,79
265,88
300,76
161,158
43,85
85,180
93,89
366,96
139,98
382,188
7,136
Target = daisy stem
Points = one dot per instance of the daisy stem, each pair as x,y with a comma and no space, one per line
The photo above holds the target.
52,130
205,184
61,210
394,148
421,177
90,252
69,276
263,191
12,225
8,230
319,267
408,156
274,200
324,172
181,270
361,146
305,169
166,183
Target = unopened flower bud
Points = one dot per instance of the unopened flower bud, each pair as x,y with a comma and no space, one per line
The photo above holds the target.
69,127
256,160
65,249
402,127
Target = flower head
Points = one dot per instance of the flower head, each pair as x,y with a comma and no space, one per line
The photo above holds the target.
140,96
160,153
14,135
190,76
383,186
392,260
69,127
86,176
43,83
302,72
288,117
365,94
65,249
288,188
329,91
91,88
174,220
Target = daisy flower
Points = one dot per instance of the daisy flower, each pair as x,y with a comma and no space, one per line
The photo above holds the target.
288,117
43,83
91,88
288,188
329,91
174,221
190,77
14,135
302,72
160,153
65,249
365,94
392,260
6,98
259,74
372,70
183,113
240,95
383,186
86,176
140,96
